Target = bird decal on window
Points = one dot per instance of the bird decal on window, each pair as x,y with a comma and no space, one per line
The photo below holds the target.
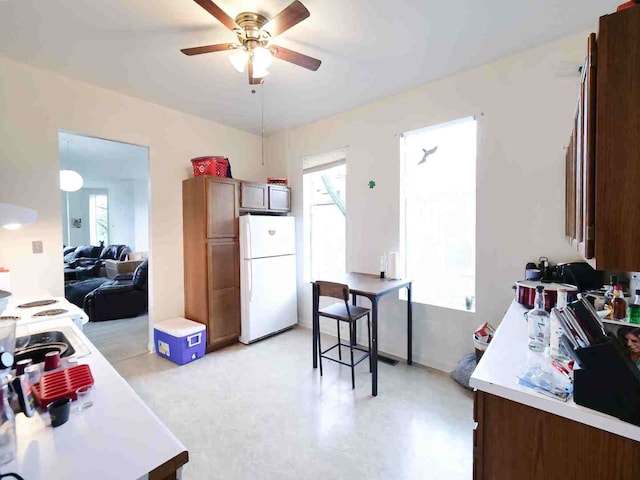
426,154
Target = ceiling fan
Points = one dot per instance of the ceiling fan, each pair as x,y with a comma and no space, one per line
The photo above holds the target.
254,31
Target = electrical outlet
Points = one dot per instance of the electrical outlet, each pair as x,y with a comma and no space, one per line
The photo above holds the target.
36,246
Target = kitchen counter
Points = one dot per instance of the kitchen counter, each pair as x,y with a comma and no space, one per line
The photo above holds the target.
519,433
508,353
119,437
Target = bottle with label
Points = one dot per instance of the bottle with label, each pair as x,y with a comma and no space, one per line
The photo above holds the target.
618,304
538,320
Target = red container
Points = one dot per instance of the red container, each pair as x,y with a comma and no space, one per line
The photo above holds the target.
626,5
526,293
214,166
62,384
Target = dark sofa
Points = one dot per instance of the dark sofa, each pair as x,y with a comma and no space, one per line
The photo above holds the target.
124,297
86,261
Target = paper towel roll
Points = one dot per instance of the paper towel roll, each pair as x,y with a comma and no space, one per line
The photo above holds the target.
393,266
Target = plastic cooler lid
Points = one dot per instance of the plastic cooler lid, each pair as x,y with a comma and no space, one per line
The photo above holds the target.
180,327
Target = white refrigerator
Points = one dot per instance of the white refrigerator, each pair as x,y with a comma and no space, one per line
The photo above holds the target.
269,302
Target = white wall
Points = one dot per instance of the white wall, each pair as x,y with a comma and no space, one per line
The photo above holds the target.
35,105
525,114
141,215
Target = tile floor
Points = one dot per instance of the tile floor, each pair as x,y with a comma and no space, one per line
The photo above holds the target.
261,412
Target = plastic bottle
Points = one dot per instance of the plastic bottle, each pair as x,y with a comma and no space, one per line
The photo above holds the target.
538,320
556,331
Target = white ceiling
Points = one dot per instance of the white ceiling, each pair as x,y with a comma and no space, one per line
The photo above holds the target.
369,48
97,159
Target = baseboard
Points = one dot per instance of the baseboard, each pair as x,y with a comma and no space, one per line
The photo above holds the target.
417,359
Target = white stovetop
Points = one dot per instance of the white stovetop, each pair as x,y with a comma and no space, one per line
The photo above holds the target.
117,438
508,353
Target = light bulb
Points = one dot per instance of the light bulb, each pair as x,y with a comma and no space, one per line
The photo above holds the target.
238,59
261,59
70,181
259,73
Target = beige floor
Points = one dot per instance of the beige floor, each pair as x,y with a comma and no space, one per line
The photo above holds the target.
261,412
118,340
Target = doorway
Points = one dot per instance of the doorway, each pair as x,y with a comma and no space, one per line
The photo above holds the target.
105,193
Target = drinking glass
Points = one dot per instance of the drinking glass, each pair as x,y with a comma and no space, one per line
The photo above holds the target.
84,395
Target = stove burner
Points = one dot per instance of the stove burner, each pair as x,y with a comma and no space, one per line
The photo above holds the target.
9,317
51,313
38,303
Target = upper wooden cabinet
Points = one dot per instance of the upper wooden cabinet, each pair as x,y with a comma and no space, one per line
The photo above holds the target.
603,158
254,196
264,197
222,207
279,198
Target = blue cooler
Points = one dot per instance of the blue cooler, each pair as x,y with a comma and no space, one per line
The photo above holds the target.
179,340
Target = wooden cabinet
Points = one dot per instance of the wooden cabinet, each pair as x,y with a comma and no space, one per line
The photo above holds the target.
262,197
255,196
211,257
603,158
515,441
279,198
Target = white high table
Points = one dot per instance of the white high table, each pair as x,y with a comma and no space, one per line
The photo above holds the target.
119,437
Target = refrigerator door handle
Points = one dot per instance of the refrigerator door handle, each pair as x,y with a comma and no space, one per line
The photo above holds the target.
248,239
250,274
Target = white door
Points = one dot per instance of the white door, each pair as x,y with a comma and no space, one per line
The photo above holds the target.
269,236
272,298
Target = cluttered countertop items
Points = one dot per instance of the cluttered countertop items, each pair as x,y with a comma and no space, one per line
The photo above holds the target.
556,351
65,413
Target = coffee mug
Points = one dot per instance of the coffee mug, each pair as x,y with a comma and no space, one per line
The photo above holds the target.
59,411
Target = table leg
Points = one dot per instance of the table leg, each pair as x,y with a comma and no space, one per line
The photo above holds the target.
315,326
354,338
409,326
374,346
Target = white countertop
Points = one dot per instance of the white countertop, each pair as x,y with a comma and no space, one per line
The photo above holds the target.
117,438
508,353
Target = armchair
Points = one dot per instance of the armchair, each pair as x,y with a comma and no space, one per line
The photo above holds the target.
124,297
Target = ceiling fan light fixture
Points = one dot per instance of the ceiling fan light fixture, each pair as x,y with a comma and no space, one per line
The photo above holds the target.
259,72
261,58
238,59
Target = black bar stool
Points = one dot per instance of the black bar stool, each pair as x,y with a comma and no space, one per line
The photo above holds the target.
343,312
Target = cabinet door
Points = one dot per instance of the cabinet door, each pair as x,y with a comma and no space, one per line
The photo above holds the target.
222,208
224,291
279,198
589,151
254,196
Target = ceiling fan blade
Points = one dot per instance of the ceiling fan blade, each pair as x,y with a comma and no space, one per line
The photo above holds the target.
217,12
295,57
208,49
287,18
252,80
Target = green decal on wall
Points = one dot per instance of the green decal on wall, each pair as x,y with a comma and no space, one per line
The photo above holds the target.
372,184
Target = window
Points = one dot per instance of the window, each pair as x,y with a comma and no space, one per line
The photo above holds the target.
98,219
324,220
438,201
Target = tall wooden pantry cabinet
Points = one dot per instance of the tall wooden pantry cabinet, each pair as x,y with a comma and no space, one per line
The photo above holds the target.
211,257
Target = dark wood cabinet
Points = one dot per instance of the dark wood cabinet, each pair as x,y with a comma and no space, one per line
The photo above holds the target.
255,196
515,441
603,158
211,257
262,197
279,198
